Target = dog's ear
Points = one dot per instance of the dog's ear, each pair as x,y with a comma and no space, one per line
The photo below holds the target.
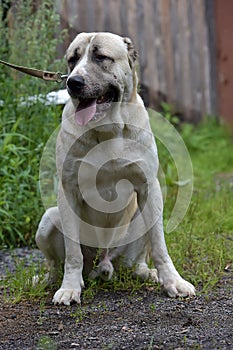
132,53
132,56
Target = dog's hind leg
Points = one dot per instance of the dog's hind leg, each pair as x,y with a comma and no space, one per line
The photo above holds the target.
50,241
136,256
104,269
142,269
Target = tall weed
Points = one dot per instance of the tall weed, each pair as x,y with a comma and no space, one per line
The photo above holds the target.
25,125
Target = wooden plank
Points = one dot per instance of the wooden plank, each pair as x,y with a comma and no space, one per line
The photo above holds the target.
196,56
115,19
132,19
72,17
184,83
212,53
203,51
173,38
81,23
106,16
63,10
124,17
224,30
150,76
168,53
90,10
99,16
160,52
141,38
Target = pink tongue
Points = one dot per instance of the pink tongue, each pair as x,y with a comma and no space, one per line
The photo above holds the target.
85,111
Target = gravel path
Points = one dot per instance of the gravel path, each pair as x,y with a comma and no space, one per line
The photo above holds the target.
9,258
146,319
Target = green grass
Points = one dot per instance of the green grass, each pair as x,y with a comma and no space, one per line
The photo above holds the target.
18,286
201,246
25,127
21,146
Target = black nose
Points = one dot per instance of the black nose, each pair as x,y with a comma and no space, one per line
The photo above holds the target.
75,84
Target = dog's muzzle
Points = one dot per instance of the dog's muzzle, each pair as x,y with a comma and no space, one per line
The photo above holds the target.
75,85
92,104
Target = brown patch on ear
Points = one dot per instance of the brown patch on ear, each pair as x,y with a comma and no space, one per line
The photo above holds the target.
132,53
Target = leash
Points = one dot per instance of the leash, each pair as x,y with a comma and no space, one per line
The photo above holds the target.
45,75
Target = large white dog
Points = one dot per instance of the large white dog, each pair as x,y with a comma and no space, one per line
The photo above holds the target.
109,199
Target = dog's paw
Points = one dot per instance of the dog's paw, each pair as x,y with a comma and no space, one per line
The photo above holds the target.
104,270
145,273
66,296
153,275
178,287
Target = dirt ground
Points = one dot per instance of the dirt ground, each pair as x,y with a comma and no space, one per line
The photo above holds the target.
146,319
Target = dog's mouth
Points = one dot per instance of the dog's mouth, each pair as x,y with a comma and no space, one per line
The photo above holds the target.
90,109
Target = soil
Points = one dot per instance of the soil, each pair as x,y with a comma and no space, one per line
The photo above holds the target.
145,319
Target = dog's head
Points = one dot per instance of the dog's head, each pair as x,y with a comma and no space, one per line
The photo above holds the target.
101,72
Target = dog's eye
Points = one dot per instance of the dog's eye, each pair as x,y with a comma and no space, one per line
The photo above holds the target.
102,58
72,61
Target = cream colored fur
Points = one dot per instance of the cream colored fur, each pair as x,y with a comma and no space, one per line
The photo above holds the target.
73,232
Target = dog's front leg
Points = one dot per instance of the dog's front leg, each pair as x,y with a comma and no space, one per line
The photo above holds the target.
72,280
151,206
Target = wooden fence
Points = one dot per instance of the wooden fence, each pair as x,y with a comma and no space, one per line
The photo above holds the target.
175,42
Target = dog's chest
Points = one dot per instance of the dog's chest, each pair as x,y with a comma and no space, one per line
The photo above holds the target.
93,176
108,165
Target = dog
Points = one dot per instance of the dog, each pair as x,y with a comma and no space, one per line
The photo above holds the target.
109,197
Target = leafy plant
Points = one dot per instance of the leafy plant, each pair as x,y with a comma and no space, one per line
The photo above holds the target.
19,284
25,123
167,112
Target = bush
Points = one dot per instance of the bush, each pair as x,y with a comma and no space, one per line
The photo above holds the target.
25,126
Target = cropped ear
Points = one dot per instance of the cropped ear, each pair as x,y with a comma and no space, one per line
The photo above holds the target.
132,53
132,56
